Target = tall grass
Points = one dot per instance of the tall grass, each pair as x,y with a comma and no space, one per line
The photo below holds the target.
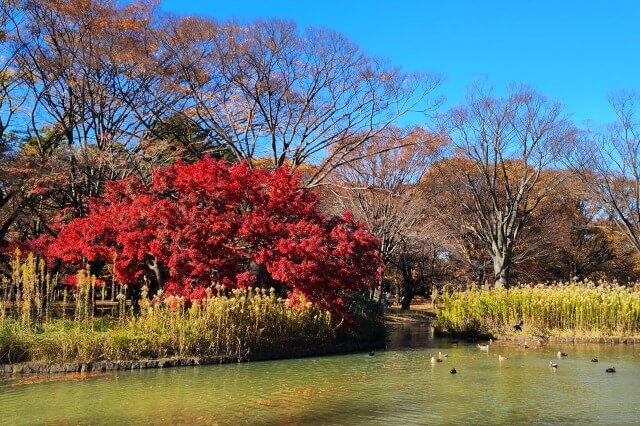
30,291
574,308
233,327
237,324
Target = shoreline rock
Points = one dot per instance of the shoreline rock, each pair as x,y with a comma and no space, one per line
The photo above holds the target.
43,368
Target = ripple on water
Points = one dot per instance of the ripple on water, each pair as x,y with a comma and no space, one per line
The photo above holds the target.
394,387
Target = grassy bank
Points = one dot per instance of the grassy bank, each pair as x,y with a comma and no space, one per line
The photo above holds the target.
243,325
239,324
564,309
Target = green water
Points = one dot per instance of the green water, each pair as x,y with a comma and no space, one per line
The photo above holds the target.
396,387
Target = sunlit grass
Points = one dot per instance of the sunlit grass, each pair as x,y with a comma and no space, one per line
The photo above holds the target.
233,325
579,308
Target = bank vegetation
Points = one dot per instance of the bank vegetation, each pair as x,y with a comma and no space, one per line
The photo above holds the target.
580,309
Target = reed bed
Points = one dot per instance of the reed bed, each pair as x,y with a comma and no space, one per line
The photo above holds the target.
586,308
237,324
229,327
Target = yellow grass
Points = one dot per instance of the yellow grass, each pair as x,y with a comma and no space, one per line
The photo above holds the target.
579,308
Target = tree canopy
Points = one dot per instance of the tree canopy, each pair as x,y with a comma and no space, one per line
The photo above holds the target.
208,223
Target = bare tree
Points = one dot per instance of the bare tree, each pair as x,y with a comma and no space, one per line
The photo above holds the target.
504,145
382,186
81,64
270,92
609,164
12,99
420,258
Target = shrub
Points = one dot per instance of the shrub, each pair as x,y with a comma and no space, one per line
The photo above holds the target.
197,225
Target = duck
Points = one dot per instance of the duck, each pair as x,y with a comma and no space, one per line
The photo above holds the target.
483,347
441,355
502,358
594,359
553,365
610,370
518,326
525,345
453,371
372,353
561,354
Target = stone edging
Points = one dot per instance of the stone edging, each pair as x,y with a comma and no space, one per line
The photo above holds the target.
569,339
24,368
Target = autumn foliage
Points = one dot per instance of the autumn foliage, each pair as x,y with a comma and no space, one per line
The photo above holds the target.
210,223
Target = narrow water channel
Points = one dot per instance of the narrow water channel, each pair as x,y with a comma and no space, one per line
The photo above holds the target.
398,386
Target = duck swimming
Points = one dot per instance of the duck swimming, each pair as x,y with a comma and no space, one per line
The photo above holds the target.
553,365
483,347
453,371
610,370
501,358
594,359
561,354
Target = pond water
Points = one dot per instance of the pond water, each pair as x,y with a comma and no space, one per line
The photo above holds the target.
397,386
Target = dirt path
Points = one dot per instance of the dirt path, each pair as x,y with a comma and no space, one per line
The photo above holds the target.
421,310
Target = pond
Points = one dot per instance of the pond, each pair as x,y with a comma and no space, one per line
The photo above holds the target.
397,386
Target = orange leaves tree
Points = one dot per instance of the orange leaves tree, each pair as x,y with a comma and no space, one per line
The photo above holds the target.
382,185
208,223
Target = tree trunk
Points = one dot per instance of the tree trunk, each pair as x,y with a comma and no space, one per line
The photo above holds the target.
157,270
381,288
407,298
502,270
408,286
260,273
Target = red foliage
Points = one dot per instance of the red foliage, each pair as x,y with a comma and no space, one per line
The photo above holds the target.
204,223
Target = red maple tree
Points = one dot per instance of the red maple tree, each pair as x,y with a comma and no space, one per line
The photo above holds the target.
197,225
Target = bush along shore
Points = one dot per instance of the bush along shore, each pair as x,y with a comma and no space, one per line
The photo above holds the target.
39,335
574,312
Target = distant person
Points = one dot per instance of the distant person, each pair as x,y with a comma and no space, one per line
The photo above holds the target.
385,304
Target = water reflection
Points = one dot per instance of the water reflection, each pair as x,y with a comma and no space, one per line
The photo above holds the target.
398,386
412,335
407,336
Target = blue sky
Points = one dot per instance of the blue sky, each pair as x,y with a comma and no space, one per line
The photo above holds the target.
572,51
